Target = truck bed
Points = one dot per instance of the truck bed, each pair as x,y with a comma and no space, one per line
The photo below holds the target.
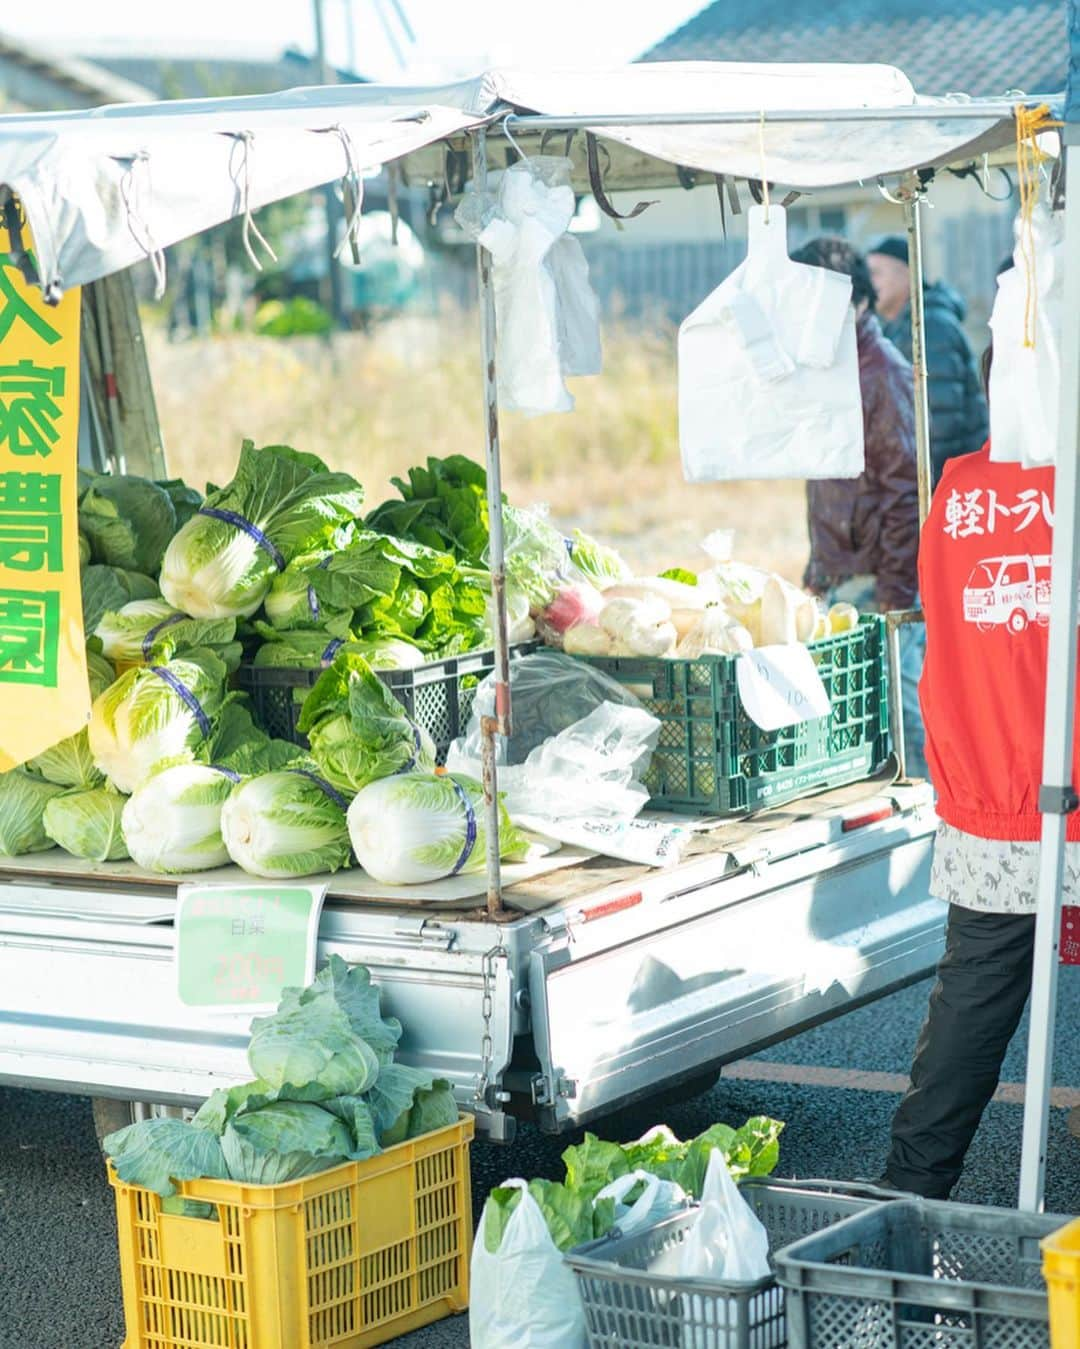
601,982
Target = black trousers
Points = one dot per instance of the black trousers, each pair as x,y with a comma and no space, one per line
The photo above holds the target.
983,982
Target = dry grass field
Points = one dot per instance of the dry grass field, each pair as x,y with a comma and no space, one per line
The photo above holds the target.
375,404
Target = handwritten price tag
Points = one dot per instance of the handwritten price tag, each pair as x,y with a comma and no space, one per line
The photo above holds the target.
780,686
238,946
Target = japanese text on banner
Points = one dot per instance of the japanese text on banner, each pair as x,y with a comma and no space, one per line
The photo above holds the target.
43,680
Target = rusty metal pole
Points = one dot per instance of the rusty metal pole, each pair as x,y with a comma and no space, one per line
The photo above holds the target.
499,724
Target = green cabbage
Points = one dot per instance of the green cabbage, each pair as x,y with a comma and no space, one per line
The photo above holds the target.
357,730
312,1042
142,724
418,827
307,650
128,521
284,1141
156,1152
285,824
351,989
110,588
291,601
23,798
69,763
87,824
215,568
152,631
186,500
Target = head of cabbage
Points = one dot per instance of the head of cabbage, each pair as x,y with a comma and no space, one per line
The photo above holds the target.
153,716
315,649
285,824
284,1141
357,730
279,504
172,823
128,522
70,763
152,630
23,798
418,827
87,824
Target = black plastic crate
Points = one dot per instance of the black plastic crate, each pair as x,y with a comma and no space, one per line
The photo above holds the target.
920,1274
713,760
438,696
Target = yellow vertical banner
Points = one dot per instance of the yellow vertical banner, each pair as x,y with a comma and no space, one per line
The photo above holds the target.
44,693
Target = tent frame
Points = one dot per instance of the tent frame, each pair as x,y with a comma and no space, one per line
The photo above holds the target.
1057,798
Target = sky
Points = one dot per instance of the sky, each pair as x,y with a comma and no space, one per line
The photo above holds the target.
452,38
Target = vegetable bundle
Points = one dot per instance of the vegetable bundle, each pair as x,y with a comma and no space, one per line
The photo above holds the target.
327,1091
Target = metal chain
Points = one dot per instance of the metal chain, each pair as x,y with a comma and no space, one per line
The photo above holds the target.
487,1009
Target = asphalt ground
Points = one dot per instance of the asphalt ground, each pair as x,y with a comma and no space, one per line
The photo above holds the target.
835,1087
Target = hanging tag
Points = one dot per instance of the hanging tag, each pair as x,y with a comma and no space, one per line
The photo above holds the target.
780,686
1069,945
239,946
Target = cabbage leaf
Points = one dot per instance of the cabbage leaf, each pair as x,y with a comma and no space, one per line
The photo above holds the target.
87,824
128,522
155,1153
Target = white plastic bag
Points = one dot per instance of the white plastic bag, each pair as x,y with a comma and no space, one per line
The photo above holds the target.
727,1243
523,1296
769,370
657,1200
547,316
1025,381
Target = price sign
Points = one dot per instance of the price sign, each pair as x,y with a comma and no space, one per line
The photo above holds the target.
238,946
780,686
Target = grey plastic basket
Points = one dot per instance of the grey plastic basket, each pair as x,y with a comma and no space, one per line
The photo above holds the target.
920,1274
634,1297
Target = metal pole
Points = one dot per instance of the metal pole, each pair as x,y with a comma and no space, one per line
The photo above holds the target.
332,289
499,724
1058,796
923,463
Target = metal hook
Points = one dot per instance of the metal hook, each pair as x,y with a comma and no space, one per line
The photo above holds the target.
513,143
896,201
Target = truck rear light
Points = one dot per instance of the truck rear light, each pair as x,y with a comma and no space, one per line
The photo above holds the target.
610,906
870,817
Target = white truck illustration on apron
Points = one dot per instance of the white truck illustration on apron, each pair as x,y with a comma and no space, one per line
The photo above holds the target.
1013,591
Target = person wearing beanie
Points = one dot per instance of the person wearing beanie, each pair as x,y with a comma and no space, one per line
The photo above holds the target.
958,417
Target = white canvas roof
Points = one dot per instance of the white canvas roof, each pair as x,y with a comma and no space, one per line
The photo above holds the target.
103,188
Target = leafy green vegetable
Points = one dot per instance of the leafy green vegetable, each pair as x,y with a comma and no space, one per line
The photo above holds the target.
84,550
314,650
391,1100
23,798
444,506
186,500
151,631
419,827
287,504
350,988
148,720
572,1216
357,729
433,1108
224,1103
283,1141
157,1152
87,824
596,561
356,1114
69,763
128,522
687,578
312,1042
285,824
592,1164
106,589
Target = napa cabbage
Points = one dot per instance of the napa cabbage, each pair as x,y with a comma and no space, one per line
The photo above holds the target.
70,762
87,824
284,824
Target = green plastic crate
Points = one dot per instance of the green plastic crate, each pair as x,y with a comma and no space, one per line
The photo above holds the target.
713,760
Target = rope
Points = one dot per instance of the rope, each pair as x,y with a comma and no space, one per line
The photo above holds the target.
247,140
1030,157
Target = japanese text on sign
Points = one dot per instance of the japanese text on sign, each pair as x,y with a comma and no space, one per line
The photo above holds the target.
42,651
240,946
980,512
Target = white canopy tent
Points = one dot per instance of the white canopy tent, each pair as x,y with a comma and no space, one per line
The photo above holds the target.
106,188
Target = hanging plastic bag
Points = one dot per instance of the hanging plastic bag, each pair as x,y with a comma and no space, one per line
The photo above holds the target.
769,370
1025,377
727,1243
523,1296
546,314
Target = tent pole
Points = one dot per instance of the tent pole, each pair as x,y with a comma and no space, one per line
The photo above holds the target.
1058,796
912,194
499,724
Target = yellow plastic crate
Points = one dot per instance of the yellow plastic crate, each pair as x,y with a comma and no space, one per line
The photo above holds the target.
1061,1268
349,1257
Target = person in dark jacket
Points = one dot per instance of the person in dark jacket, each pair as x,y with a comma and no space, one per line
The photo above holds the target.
864,532
958,417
